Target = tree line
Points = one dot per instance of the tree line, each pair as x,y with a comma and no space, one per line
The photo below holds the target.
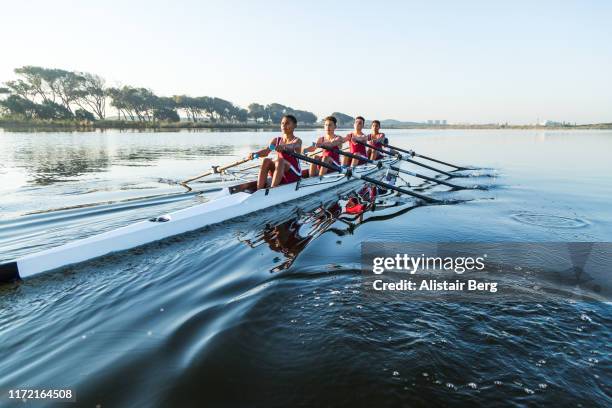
50,93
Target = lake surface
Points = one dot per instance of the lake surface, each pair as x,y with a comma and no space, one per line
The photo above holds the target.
268,309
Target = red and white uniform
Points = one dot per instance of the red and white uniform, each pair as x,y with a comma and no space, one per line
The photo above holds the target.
357,148
376,140
333,154
294,173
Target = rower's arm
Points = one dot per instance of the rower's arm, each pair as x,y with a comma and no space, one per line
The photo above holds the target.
363,138
335,143
338,142
314,147
263,152
296,146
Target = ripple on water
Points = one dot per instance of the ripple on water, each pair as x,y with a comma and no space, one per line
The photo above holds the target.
549,220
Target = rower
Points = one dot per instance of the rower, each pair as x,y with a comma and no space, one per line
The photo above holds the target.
286,168
330,140
356,148
377,139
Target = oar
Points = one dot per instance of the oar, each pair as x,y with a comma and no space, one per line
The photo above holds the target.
218,170
389,166
348,172
402,157
214,170
413,153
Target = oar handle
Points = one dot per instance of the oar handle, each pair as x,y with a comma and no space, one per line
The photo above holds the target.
315,161
352,156
378,149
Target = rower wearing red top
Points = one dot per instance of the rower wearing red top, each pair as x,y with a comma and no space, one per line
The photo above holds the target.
330,140
286,168
356,148
376,138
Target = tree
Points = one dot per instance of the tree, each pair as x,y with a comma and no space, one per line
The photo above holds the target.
275,112
52,110
137,103
118,102
305,116
165,110
257,112
92,94
68,86
191,106
82,114
241,115
47,85
18,105
38,84
166,114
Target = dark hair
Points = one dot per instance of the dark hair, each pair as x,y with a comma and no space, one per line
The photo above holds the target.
377,122
332,118
291,118
362,119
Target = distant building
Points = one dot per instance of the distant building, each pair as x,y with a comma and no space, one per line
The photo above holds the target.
550,123
444,122
436,122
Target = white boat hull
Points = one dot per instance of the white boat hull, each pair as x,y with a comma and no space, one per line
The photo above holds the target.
222,207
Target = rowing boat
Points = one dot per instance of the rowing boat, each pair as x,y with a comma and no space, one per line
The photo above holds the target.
231,202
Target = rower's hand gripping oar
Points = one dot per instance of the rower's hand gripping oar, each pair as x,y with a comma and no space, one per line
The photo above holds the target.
348,172
404,158
410,173
414,154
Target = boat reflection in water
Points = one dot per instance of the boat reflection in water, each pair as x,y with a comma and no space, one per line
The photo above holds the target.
341,217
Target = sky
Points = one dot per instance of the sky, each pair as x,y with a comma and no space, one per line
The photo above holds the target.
462,61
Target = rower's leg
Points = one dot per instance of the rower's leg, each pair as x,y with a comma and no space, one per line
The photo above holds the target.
355,162
314,170
266,166
346,161
281,167
323,170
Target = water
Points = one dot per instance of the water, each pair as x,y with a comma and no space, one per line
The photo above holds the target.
269,309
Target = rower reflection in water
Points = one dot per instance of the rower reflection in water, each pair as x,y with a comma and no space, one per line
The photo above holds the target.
290,237
330,141
285,169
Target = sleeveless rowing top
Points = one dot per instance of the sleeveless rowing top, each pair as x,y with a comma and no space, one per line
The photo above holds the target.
356,148
378,142
294,163
335,156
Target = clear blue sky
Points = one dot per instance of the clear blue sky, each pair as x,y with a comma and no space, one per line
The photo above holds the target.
464,61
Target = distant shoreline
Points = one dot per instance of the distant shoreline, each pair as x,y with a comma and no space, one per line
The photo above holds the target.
55,125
